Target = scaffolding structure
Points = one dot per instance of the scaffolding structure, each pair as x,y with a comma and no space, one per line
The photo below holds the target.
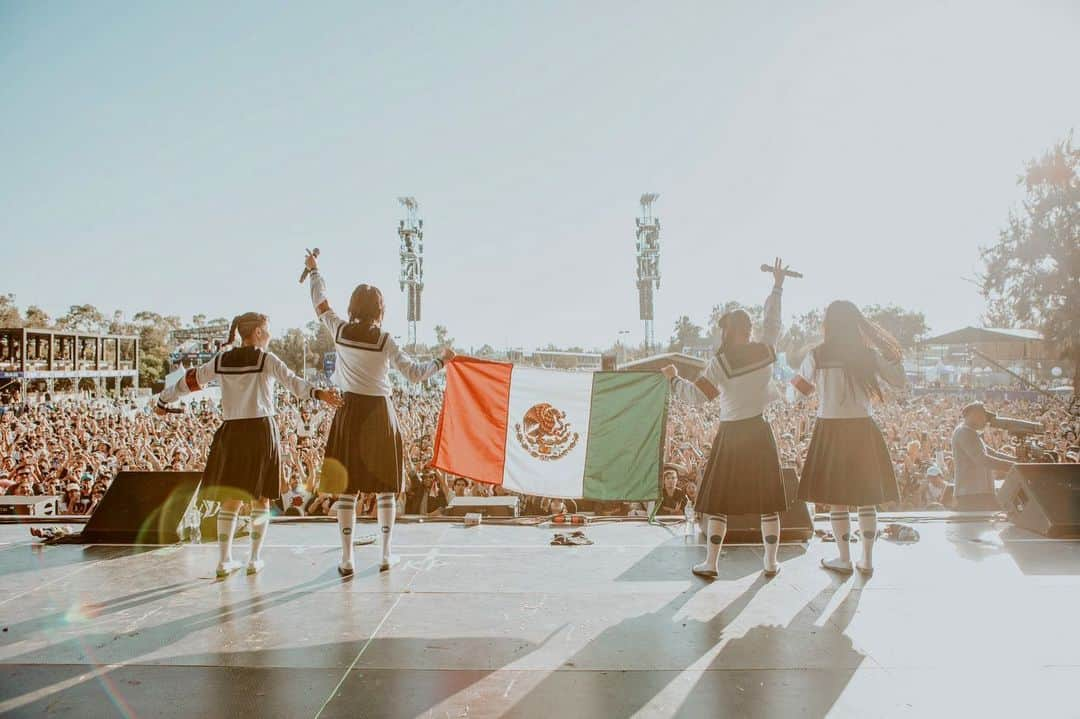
411,281
648,264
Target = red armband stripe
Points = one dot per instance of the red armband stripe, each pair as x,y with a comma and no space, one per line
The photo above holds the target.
191,379
707,388
800,383
323,307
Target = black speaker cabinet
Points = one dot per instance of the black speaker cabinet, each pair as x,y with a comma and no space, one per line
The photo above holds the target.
142,508
796,522
1044,498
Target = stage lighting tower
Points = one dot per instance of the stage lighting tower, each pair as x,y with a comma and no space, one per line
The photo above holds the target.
648,264
411,281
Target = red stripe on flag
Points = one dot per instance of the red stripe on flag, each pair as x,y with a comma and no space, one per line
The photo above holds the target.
471,438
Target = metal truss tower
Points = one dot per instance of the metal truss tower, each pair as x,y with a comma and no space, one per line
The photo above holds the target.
411,281
648,264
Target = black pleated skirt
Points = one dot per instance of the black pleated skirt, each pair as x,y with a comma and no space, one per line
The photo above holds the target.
848,463
743,475
364,452
244,461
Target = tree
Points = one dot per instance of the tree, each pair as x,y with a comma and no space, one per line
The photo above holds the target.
685,333
1033,270
908,327
442,337
801,335
153,331
9,313
485,351
198,320
83,318
37,317
290,348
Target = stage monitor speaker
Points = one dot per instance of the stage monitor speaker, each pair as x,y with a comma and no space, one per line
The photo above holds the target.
142,508
1044,498
502,506
796,522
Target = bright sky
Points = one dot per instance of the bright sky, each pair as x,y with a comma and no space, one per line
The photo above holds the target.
180,156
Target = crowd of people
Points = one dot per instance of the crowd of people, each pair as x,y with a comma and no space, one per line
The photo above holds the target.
72,449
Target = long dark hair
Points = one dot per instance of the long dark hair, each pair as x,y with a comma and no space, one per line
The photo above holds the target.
366,306
850,339
245,325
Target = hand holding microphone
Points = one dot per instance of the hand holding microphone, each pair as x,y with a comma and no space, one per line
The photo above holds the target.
780,271
309,263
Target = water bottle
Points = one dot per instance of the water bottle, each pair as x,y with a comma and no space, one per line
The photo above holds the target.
688,512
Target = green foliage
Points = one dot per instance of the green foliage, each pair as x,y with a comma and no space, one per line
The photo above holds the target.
37,317
290,348
685,333
442,337
83,318
908,327
9,313
1031,275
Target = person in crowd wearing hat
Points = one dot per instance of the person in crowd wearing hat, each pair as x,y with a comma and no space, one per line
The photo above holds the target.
244,464
742,475
848,463
365,449
975,462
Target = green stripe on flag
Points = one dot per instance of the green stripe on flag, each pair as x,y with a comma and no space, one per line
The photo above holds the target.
626,434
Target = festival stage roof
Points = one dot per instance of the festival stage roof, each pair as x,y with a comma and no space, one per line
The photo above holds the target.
976,619
979,335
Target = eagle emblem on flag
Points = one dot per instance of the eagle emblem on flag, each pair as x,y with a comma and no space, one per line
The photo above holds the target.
545,434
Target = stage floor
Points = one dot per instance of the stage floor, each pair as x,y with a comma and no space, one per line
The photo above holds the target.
976,619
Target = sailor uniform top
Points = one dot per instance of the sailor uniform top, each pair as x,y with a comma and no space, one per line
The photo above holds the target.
247,376
838,398
364,355
741,377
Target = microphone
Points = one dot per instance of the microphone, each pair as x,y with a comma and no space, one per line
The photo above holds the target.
306,272
787,273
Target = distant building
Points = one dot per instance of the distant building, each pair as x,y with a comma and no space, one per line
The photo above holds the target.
36,359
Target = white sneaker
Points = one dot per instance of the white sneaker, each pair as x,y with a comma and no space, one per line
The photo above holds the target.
345,569
837,565
864,569
705,570
255,566
226,568
771,572
390,561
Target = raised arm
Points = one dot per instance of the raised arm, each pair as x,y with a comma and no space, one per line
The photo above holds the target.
771,322
318,297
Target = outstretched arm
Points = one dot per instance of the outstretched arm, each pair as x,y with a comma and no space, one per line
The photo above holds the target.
298,385
697,392
193,380
413,369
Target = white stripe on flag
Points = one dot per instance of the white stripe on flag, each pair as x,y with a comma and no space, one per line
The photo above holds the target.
525,471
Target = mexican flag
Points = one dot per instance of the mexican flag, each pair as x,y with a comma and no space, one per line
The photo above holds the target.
597,435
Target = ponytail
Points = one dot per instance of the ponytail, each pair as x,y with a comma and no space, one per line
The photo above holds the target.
245,325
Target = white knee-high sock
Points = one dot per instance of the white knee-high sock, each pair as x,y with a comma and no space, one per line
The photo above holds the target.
260,524
226,528
386,507
770,539
715,529
346,519
841,529
868,530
